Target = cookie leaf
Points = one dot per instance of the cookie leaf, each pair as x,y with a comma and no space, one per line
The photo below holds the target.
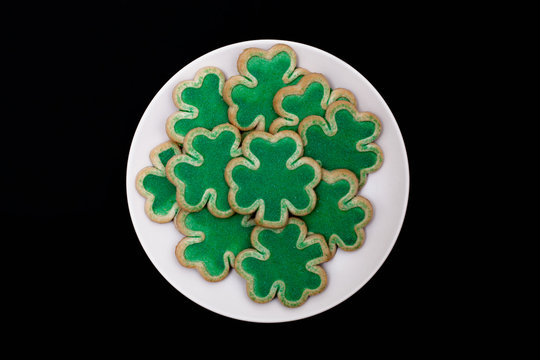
272,179
283,262
200,104
262,73
211,244
343,139
340,214
198,174
152,183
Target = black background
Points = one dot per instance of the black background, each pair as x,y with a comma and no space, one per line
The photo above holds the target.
78,81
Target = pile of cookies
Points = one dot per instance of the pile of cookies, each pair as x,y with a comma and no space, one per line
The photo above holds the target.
262,174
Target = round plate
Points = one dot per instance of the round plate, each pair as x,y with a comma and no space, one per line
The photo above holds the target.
387,189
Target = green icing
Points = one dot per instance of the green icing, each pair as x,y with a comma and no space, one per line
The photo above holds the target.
212,109
208,172
339,151
328,219
306,104
152,183
165,156
273,181
258,100
221,241
163,191
282,262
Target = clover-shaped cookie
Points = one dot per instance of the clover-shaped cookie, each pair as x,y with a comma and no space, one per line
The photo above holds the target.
283,261
343,139
211,244
311,96
340,214
262,73
198,174
272,178
200,104
152,183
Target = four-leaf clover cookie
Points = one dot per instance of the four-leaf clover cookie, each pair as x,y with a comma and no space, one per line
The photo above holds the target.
272,179
284,261
340,214
264,146
200,103
152,183
343,139
250,95
198,174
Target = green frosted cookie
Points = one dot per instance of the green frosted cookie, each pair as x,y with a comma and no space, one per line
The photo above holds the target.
200,104
152,183
340,214
272,178
262,73
311,96
285,262
211,244
343,139
198,174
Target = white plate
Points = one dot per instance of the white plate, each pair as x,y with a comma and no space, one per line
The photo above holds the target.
387,189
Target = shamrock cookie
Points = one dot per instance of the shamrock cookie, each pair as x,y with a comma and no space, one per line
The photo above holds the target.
262,73
285,262
198,173
152,183
340,215
211,244
311,96
343,139
200,104
272,178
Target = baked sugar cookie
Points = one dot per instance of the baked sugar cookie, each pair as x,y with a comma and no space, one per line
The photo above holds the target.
311,96
340,214
284,262
198,173
272,178
250,95
152,183
343,139
200,104
211,243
